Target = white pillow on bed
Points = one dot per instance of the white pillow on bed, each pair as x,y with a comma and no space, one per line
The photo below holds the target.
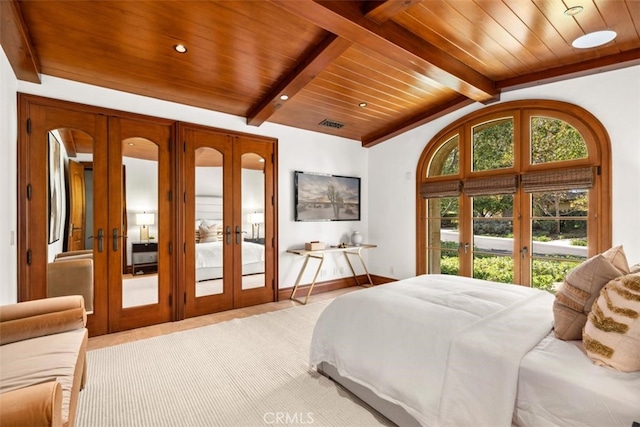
208,233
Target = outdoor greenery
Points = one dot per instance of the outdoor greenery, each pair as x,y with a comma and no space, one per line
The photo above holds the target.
559,215
546,273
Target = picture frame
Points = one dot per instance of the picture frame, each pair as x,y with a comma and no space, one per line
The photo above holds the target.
55,189
324,197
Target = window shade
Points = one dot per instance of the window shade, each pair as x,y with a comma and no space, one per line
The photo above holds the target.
559,180
491,185
433,190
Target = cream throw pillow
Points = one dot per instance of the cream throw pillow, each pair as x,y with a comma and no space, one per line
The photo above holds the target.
581,288
208,233
611,335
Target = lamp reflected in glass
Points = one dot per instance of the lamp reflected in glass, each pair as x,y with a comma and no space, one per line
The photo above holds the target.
144,220
255,219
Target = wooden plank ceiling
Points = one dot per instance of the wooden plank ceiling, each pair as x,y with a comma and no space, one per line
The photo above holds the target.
409,61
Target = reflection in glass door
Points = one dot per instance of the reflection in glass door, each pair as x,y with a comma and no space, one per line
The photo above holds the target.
253,212
207,285
228,232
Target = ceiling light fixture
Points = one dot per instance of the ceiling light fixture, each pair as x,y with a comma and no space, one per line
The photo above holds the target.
362,104
572,11
180,48
284,97
595,39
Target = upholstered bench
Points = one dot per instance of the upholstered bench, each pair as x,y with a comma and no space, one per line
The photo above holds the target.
42,361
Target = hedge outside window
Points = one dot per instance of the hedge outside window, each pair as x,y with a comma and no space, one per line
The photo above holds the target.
516,193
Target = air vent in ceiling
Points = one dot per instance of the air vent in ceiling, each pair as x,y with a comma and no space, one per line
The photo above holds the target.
331,124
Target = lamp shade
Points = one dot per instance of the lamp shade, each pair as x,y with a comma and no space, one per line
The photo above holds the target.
255,218
145,219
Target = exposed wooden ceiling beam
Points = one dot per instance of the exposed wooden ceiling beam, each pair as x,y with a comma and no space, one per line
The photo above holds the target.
414,121
380,11
593,66
345,19
16,43
307,69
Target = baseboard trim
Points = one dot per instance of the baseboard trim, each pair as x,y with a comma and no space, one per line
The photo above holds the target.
331,285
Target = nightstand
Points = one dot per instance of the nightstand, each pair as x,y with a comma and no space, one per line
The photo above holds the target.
144,258
259,241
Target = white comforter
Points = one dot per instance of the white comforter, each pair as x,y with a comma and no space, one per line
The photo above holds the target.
445,348
209,254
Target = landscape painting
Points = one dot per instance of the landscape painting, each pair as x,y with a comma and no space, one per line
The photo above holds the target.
321,197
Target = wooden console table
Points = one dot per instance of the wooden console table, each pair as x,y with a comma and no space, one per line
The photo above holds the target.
319,254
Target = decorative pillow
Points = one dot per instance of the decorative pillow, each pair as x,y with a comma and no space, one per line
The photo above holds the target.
617,257
208,233
611,335
635,268
578,292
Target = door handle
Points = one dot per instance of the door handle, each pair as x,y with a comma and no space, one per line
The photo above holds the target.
228,234
116,236
238,234
100,239
524,252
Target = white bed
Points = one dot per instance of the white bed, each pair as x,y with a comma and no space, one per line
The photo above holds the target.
441,350
209,259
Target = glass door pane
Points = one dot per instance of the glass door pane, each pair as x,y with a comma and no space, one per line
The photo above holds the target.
209,238
70,234
493,244
559,235
140,220
253,242
443,236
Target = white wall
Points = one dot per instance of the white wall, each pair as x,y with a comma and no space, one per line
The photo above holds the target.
614,99
8,178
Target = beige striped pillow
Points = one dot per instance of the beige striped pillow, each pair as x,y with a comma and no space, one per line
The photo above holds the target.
611,336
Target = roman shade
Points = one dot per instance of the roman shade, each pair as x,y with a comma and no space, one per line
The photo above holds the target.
436,189
491,185
558,180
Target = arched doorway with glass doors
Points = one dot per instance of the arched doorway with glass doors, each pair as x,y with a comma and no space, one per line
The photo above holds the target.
515,193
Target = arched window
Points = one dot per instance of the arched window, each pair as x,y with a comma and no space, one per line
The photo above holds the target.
516,193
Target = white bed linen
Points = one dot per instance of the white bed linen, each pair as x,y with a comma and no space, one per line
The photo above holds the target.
559,385
399,340
209,254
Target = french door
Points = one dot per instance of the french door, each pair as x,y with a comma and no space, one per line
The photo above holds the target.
229,257
142,149
89,217
118,189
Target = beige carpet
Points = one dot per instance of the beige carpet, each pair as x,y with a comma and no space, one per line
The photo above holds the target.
246,372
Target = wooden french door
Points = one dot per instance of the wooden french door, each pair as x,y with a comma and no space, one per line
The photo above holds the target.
141,148
143,196
56,141
229,262
51,132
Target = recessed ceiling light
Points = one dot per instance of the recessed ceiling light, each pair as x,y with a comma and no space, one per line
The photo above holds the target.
595,39
572,11
362,104
131,144
261,160
284,97
180,48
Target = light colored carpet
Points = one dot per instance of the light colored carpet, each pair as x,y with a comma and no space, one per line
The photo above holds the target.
245,372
